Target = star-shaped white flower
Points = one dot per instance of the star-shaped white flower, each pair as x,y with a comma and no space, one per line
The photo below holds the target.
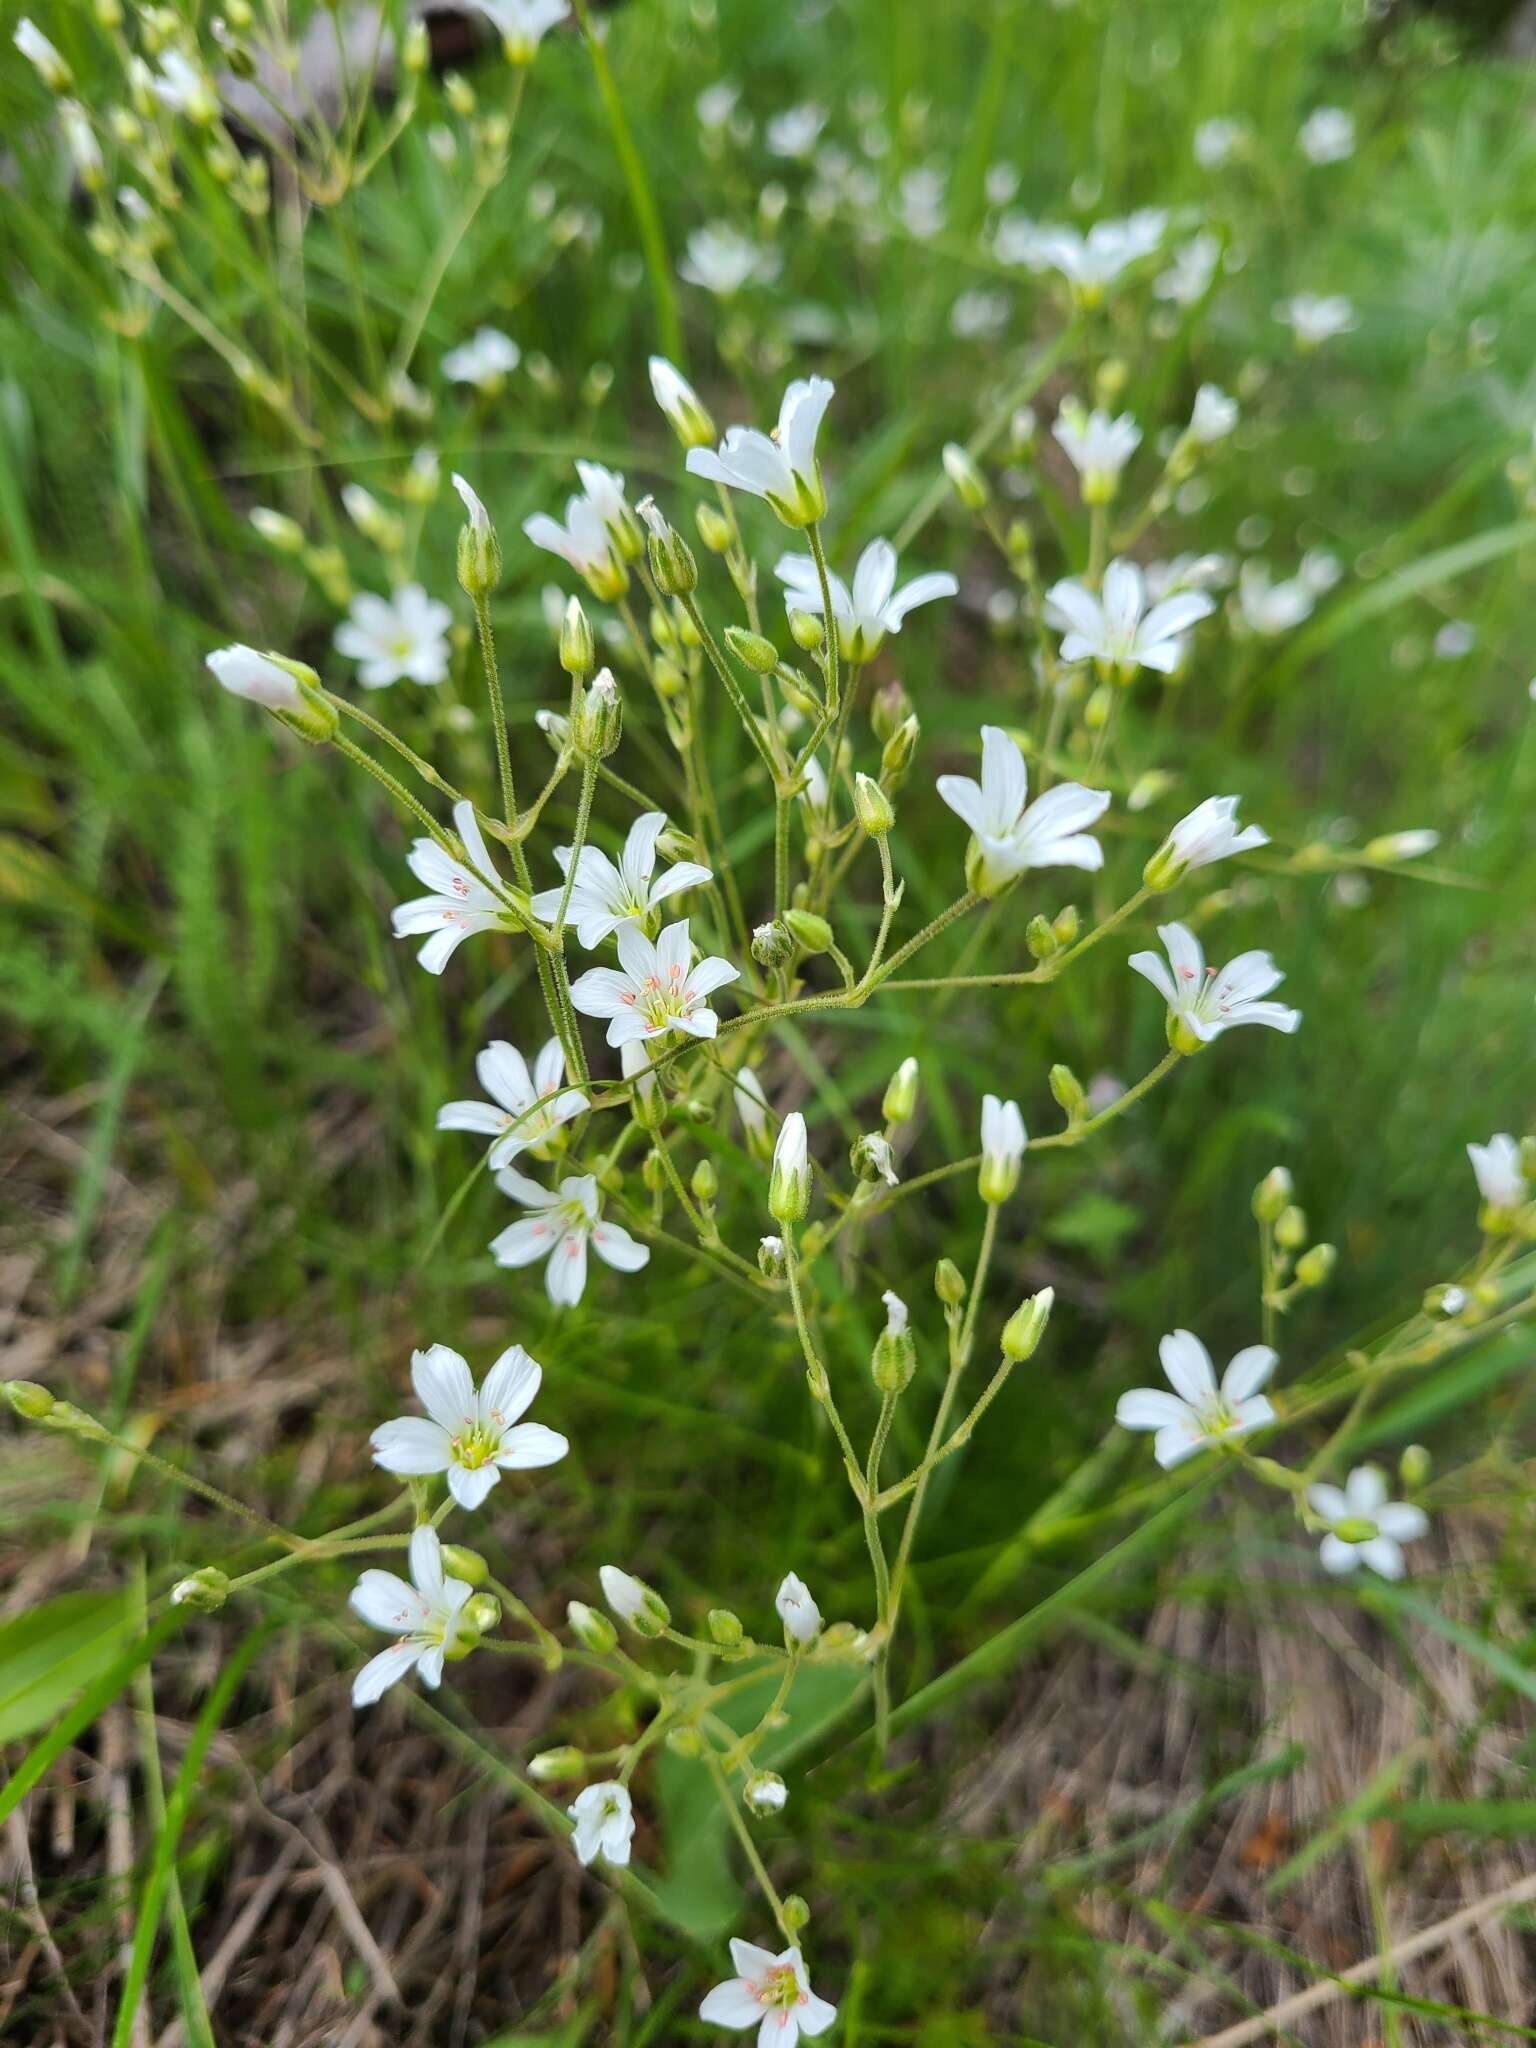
461,903
472,1437
1188,276
1499,1173
1116,626
606,896
1214,415
1203,1003
1210,832
1198,1413
1364,1526
401,638
424,1616
562,1224
523,1112
1314,320
605,1823
485,360
1011,834
1327,136
1097,447
585,542
781,467
523,24
720,259
874,606
655,988
1092,261
769,1992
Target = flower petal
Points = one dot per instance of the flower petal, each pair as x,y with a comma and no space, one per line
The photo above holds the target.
412,1445
444,1387
529,1446
1188,1365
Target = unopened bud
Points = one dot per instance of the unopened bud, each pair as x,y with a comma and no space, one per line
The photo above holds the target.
966,480
578,649
599,720
704,1181
890,707
872,807
205,1591
1070,1094
896,755
593,1630
811,932
894,1358
1446,1301
900,1098
773,945
481,1613
671,559
797,1913
685,1740
752,650
770,1258
1414,1467
1272,1195
714,528
552,1764
949,1283
31,1401
764,1793
724,1627
789,1178
1315,1265
1291,1228
805,631
479,551
459,1562
1040,937
632,1600
1066,924
278,530
1026,1326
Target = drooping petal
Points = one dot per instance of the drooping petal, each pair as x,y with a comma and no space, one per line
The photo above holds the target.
1188,1365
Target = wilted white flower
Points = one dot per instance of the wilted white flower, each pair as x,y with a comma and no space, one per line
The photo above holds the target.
1314,320
1327,136
794,133
797,1610
605,1823
655,988
769,1992
1364,1527
781,468
1216,140
1209,833
1003,1140
256,677
523,24
401,638
484,361
1097,447
1188,277
1214,415
720,259
1117,628
1498,1171
1198,1413
524,1112
605,896
42,55
425,1616
1203,1003
562,1225
1267,607
460,902
473,1437
874,606
1011,834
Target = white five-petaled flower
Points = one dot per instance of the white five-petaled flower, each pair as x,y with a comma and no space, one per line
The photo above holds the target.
484,360
403,637
473,1437
873,607
1003,1139
797,1610
605,896
781,467
769,1992
256,677
1364,1527
460,903
1210,832
1203,1003
424,1616
1117,627
1266,607
1097,447
605,1823
586,542
1314,320
721,260
1188,276
563,1223
1198,1412
655,988
1217,139
523,1111
1214,415
1327,136
523,24
1499,1172
1088,262
794,133
1011,834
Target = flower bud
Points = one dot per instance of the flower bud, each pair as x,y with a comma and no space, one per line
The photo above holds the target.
714,528
685,1740
599,720
653,1172
896,755
789,1180
770,1257
459,1562
1315,1265
705,1181
416,50
1070,1094
30,1401
890,709
1414,1467
289,690
556,1763
671,559
669,679
797,1610
686,412
872,1159
278,530
811,932
894,1358
773,945
1040,937
1066,925
764,1793
1272,1195
1445,1301
872,807
593,1630
1291,1228
900,1098
205,1591
1026,1326
1003,1140
966,480
578,649
724,1627
805,630
1396,846
479,551
460,94
752,650
949,1283
797,1913
481,1613
632,1600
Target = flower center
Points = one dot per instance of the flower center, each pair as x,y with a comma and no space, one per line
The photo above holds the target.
780,1988
661,1001
476,1447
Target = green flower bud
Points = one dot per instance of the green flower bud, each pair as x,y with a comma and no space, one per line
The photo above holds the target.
416,50
1040,937
1272,1195
811,932
770,1258
459,1562
764,1793
1291,1228
578,648
479,551
773,945
552,1764
1026,1326
1070,1094
949,1283
1315,1265
890,709
894,1358
966,479
278,530
205,1591
671,559
724,1627
685,1741
1414,1467
896,755
705,1181
1066,924
872,807
30,1401
633,1601
591,1629
714,528
752,650
599,722
805,631
481,1613
1446,1300
797,1913
789,1177
900,1098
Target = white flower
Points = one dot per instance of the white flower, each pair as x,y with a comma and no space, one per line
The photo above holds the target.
472,1437
604,490
716,104
920,201
1188,277
629,1597
750,1102
523,24
44,58
1320,570
1198,1412
874,606
1116,626
1376,1527
425,1617
460,903
1395,846
1092,261
1011,834
1203,1003
245,673
402,638
605,896
721,260
782,468
895,1313
1314,320
797,1610
789,1177
769,1992
681,404
1003,1139
584,541
1214,415
1097,447
181,86
654,989
605,1823
561,1227
1216,140
794,133
1210,832
979,316
484,360
1498,1171
1267,607
523,1112
1327,136
80,141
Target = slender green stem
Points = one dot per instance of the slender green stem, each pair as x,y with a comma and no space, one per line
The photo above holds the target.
815,1371
499,727
748,1846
